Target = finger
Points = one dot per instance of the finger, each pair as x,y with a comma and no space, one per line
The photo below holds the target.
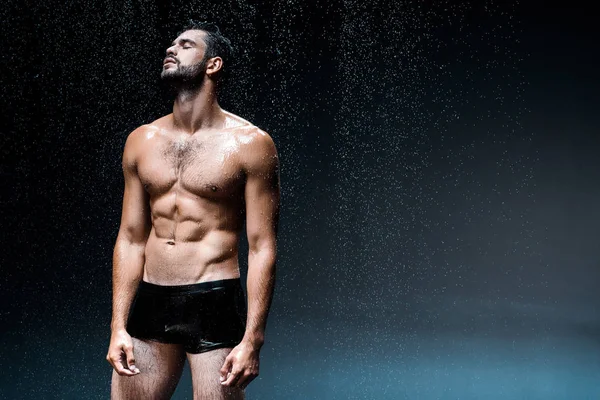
118,366
225,369
246,382
232,378
124,371
243,381
130,359
122,367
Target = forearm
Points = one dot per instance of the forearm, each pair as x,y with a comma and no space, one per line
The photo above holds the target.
128,267
260,287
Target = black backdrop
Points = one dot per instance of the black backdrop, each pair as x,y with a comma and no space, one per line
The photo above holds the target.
439,226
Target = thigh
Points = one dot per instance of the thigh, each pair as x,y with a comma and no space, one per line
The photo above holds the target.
205,368
160,365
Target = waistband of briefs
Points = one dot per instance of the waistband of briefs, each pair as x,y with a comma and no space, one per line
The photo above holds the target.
189,288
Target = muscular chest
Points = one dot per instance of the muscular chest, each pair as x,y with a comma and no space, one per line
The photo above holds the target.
208,167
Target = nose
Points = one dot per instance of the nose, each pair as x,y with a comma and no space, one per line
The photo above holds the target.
171,51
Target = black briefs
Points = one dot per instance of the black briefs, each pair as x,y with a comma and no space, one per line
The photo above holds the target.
202,316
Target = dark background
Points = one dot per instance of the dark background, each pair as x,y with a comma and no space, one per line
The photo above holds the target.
439,167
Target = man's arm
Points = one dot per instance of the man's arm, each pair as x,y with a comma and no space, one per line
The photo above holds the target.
261,165
128,258
128,254
262,194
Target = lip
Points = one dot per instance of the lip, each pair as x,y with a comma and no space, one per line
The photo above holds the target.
169,61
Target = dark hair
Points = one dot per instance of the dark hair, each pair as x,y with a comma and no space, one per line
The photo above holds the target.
216,45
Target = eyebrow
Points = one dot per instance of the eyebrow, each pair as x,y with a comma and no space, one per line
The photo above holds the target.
184,41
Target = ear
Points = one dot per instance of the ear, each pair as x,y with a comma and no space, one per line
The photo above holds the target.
213,65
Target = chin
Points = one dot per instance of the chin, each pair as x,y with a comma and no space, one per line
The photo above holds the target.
166,74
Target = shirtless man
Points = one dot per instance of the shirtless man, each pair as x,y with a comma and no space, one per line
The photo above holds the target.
191,178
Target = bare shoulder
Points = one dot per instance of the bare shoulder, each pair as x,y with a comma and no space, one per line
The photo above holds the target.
254,143
135,140
233,121
257,148
254,136
161,122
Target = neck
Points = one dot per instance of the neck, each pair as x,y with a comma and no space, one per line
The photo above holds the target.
197,109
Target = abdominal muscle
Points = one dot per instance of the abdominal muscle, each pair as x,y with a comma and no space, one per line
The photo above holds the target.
190,251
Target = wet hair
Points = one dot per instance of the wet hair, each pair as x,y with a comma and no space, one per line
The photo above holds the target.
216,45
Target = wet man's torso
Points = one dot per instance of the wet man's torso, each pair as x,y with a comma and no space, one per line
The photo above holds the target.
195,185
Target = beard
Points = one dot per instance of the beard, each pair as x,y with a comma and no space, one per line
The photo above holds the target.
184,78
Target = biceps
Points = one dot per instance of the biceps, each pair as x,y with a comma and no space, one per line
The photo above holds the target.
135,217
262,211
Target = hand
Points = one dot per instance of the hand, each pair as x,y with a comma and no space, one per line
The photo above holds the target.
120,353
241,366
